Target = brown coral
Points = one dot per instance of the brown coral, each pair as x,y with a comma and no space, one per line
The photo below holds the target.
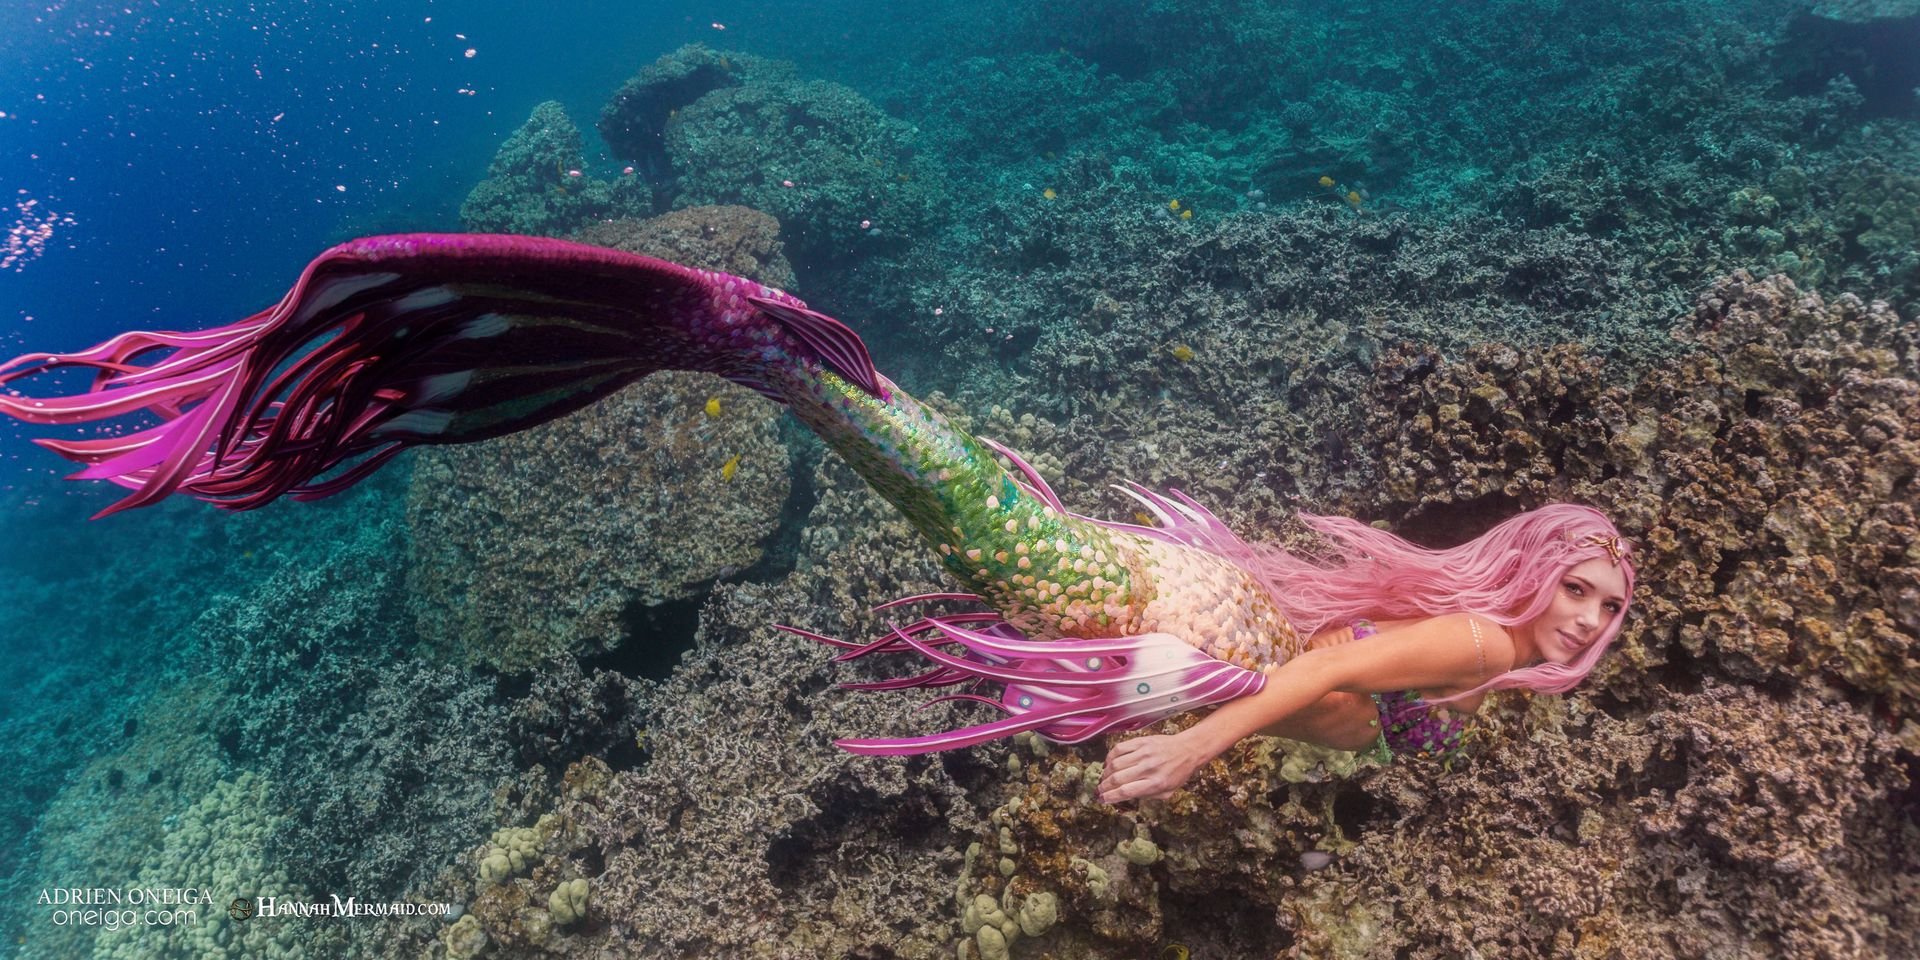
1770,471
1732,783
737,240
746,831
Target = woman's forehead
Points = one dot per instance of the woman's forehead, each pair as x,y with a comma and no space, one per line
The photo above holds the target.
1601,574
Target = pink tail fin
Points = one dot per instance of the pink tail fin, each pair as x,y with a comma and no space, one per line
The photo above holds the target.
387,342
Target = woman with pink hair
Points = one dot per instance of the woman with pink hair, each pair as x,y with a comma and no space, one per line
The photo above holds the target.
1535,602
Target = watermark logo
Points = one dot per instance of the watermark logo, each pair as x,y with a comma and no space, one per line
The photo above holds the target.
339,908
115,907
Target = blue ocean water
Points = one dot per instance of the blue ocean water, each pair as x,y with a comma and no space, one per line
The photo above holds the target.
1169,240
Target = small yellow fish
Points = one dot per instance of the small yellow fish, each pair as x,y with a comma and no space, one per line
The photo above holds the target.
1048,193
1173,204
1326,181
713,406
1186,214
1353,197
1182,352
1142,518
728,469
1174,951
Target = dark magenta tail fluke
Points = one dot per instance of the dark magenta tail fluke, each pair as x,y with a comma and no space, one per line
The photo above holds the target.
388,342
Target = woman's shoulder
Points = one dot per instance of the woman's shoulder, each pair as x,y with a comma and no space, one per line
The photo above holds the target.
1493,645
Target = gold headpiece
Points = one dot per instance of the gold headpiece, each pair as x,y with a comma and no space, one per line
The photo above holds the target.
1611,543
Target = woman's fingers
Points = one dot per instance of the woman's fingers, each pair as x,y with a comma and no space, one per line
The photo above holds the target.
1146,788
1141,767
1115,788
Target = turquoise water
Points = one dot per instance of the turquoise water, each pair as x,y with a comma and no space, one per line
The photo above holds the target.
1219,246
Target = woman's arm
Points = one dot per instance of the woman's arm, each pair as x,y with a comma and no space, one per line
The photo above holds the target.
1437,653
1457,650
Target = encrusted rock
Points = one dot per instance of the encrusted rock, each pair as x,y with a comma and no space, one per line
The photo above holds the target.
659,490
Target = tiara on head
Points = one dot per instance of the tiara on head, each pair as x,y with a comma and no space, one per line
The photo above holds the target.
1610,542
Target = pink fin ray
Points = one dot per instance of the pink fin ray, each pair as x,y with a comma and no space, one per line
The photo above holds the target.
1068,691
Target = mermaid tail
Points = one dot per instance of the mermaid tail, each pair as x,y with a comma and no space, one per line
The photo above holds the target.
388,342
391,342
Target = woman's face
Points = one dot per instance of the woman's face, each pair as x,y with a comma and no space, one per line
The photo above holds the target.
1585,599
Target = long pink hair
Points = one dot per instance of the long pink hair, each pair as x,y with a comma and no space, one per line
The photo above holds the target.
1508,574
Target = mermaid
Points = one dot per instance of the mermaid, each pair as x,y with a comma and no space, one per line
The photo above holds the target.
1085,626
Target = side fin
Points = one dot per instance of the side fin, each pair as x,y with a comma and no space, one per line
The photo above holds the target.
839,347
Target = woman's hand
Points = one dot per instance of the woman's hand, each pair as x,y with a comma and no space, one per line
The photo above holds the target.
1151,767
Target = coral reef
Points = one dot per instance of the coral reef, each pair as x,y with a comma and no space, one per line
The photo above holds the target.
634,121
412,757
736,240
1740,757
1771,472
740,834
845,180
1738,763
114,816
536,183
502,530
219,846
1139,333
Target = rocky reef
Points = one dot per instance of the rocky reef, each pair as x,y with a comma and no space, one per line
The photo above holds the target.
844,179
536,183
663,488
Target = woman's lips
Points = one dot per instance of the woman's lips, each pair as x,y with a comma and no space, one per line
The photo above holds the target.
1568,639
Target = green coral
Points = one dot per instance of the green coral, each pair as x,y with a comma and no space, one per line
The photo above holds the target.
465,939
992,929
219,845
1039,912
568,902
1140,850
514,850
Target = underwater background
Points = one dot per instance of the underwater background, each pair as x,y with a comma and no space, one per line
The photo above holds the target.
1423,264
